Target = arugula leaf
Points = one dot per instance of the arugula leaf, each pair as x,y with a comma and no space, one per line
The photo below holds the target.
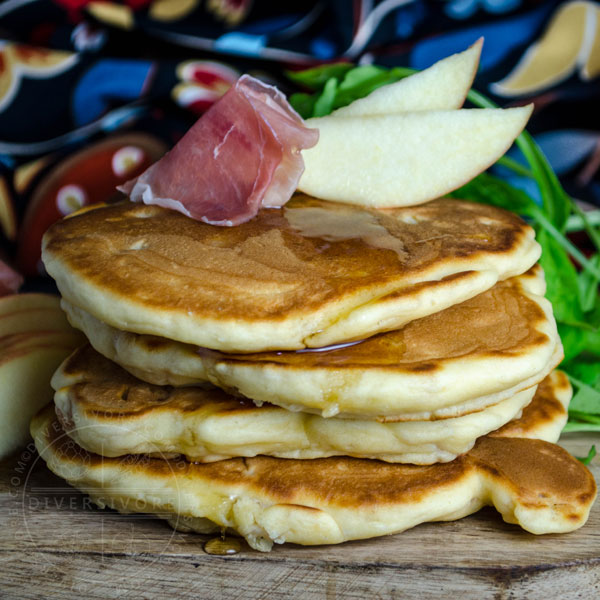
578,427
586,400
586,460
577,223
324,104
593,343
585,369
488,189
361,82
561,279
574,340
303,104
588,286
316,78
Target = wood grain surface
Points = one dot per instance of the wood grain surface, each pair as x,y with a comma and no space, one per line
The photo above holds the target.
55,544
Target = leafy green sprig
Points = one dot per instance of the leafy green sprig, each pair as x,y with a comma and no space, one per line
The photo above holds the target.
573,291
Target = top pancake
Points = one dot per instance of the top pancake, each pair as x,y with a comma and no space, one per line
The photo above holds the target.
308,275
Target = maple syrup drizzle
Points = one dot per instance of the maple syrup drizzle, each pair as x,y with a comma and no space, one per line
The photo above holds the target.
222,546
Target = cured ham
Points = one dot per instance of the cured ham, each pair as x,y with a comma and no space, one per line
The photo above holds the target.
10,280
243,153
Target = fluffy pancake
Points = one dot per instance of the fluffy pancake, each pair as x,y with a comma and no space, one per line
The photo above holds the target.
308,275
330,500
108,411
459,360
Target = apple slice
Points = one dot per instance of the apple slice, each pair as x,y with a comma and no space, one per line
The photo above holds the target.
443,86
27,362
34,320
17,302
32,312
408,158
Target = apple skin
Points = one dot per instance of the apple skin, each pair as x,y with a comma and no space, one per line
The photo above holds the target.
443,86
405,159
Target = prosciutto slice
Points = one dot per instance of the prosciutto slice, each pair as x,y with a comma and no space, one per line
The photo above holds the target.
10,281
243,153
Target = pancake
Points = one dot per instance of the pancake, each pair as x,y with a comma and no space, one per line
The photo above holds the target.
108,411
308,275
462,359
533,483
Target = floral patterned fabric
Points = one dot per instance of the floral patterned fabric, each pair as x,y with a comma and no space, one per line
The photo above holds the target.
92,92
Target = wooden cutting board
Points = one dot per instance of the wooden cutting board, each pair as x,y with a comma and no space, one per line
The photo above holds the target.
54,544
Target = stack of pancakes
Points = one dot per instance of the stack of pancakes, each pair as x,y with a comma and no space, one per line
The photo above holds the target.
321,373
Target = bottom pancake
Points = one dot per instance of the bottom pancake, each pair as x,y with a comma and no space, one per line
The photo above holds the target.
108,411
533,483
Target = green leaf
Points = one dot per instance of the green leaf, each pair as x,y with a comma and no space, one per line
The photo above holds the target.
488,189
566,244
588,286
575,426
316,78
561,279
592,231
324,104
360,77
576,223
585,369
593,337
303,104
360,82
557,202
586,460
586,400
583,417
515,166
574,340
593,343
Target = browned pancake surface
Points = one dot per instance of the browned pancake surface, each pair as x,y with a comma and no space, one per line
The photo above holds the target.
108,390
502,320
281,262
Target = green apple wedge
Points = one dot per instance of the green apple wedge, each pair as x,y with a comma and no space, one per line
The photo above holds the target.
408,158
443,86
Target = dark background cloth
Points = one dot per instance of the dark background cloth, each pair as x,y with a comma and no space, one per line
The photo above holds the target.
92,92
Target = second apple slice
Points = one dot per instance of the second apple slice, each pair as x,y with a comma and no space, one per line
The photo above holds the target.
406,159
443,86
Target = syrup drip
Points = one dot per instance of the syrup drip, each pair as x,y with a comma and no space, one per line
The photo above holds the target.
222,546
342,224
